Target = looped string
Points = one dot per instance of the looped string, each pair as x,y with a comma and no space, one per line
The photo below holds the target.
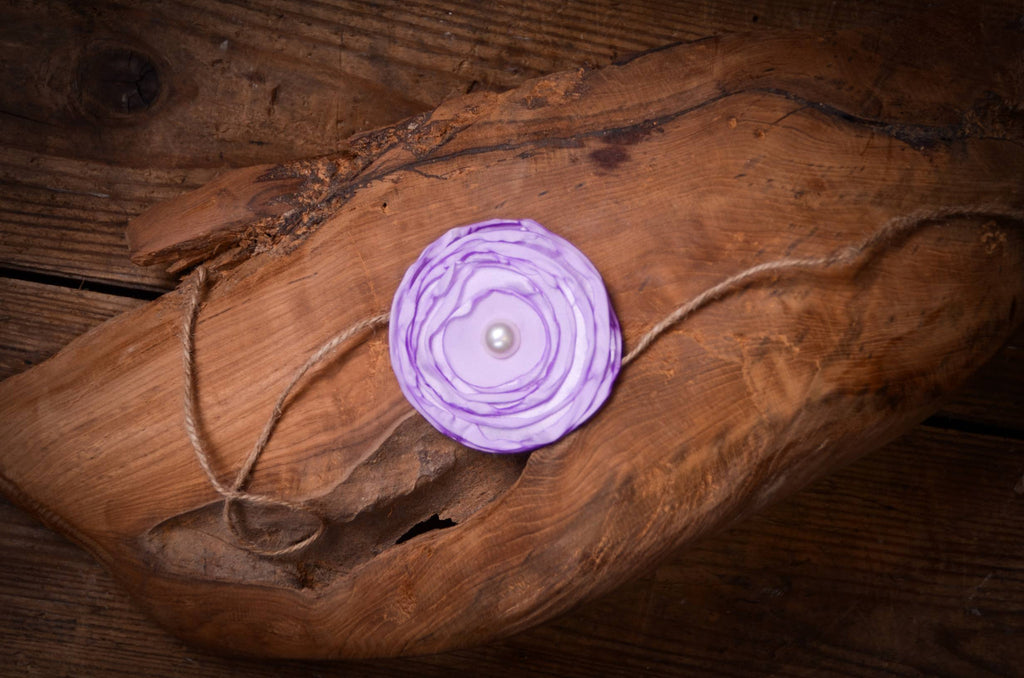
232,493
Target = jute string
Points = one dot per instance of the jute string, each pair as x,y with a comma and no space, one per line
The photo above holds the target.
234,492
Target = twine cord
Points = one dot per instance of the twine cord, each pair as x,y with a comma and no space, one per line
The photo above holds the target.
234,492
766,270
846,256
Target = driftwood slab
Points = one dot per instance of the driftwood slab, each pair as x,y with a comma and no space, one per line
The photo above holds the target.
671,172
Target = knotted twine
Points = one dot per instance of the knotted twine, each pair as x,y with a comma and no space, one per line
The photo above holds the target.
844,257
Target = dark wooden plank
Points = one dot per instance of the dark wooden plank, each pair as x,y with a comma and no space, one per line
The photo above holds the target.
907,563
37,320
112,106
67,216
266,81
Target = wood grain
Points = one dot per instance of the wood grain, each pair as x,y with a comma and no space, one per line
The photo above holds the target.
40,319
866,573
54,624
67,216
789,164
233,79
284,79
37,320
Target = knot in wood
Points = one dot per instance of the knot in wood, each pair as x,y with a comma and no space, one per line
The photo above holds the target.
116,83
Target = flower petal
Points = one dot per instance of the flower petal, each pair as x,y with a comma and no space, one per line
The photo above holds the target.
537,289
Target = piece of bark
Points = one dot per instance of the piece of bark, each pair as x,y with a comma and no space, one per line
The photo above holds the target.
671,172
209,218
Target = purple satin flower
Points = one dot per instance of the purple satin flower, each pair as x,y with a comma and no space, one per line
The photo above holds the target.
502,336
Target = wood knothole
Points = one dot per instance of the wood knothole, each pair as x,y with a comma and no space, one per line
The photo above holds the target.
117,83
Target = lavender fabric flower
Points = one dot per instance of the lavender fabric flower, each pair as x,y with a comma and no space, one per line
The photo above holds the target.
502,336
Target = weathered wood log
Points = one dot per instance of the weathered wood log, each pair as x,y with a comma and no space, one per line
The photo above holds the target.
671,172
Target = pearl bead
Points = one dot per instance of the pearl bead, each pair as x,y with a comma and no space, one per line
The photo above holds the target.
500,339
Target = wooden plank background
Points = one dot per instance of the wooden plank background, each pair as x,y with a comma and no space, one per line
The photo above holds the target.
910,562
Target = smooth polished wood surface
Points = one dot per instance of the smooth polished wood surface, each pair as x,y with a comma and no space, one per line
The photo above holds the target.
956,640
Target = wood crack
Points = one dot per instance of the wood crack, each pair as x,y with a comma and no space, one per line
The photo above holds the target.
917,136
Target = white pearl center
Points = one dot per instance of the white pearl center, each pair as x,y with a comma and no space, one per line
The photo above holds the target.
501,340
